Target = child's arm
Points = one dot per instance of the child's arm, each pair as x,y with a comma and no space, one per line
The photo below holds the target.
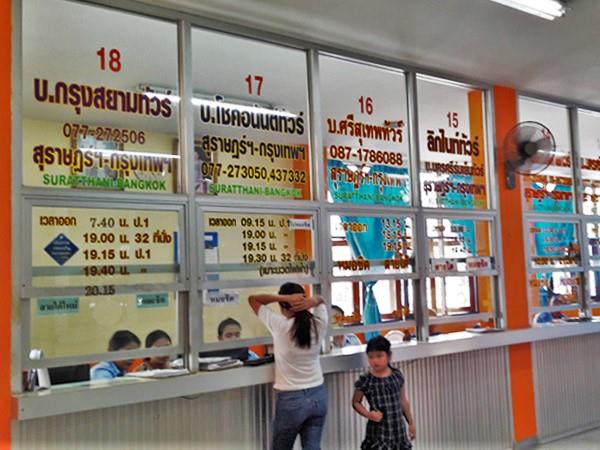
412,429
357,405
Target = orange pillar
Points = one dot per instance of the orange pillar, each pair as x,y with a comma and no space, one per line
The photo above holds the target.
5,223
515,282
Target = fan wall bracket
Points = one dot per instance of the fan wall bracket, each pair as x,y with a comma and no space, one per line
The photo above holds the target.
510,176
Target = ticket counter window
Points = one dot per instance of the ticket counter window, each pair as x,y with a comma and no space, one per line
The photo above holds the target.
551,190
100,99
251,136
365,133
227,316
372,302
557,288
459,245
555,244
456,295
589,148
594,277
78,326
452,142
363,245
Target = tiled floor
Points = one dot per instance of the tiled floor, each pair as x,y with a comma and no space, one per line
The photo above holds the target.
584,441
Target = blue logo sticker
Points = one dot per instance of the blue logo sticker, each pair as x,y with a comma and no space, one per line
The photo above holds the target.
61,249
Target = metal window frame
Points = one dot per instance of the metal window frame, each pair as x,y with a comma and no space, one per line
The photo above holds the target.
576,217
190,286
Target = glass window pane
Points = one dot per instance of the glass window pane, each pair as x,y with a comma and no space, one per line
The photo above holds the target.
362,245
258,245
589,148
550,190
250,120
452,145
100,105
553,244
233,319
459,245
101,248
234,305
593,240
384,300
365,133
447,296
594,289
554,288
73,326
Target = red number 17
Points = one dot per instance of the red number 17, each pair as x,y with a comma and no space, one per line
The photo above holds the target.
258,79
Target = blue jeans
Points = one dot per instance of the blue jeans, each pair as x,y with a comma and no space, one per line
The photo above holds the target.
299,412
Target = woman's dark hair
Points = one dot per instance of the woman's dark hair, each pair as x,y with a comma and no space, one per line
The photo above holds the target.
155,336
304,321
121,339
379,344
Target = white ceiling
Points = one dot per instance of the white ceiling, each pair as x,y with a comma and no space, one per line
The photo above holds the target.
477,39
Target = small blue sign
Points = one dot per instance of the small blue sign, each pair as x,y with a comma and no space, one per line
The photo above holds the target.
61,249
211,239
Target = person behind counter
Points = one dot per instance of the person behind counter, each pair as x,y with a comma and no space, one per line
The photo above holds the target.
385,390
551,317
120,340
231,330
301,400
337,317
157,338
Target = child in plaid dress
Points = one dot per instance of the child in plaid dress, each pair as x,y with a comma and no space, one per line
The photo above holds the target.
385,391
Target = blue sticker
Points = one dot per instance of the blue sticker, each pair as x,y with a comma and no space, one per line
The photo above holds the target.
211,239
61,249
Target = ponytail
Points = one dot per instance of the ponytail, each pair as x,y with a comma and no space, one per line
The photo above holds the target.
304,321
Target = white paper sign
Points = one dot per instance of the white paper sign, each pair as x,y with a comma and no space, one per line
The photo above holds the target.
221,298
478,263
443,265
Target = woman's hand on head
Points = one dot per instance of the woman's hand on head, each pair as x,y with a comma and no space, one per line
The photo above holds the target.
298,302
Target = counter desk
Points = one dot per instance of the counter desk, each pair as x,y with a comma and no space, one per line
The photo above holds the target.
84,396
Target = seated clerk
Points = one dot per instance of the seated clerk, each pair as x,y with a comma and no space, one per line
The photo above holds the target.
120,340
337,317
550,317
231,330
157,338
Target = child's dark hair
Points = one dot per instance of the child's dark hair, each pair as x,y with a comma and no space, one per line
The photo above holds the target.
379,344
304,321
226,323
155,336
338,309
121,339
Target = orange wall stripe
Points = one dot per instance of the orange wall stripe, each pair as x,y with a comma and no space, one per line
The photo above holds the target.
515,282
513,238
522,392
5,224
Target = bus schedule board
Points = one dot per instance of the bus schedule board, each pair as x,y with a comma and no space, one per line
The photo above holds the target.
258,246
99,249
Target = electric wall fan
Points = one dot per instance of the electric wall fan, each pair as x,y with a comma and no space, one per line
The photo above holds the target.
528,148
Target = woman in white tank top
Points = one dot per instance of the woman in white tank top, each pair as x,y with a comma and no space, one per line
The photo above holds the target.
301,400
